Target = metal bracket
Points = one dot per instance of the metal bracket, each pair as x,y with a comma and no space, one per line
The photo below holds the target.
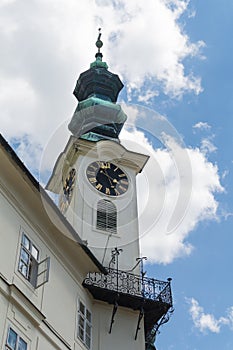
140,316
113,315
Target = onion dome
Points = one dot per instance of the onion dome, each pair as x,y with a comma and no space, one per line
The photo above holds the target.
97,115
97,80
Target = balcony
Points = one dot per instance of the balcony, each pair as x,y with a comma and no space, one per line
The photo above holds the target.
151,297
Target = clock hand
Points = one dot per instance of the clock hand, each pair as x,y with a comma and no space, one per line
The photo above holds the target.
114,180
109,178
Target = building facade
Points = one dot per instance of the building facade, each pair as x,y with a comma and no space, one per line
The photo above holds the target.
71,274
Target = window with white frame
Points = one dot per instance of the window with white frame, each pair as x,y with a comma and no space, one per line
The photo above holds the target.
14,341
84,325
106,216
37,273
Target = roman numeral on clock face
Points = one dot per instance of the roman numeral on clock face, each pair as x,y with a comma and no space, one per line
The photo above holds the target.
107,190
124,182
117,192
98,187
123,189
91,173
92,180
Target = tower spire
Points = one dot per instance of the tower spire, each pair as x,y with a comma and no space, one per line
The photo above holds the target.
97,115
99,44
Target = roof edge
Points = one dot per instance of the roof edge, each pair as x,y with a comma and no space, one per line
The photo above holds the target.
40,189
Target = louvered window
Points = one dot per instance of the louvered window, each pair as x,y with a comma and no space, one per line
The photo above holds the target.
106,216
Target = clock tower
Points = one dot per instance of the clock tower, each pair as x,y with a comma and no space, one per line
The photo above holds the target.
95,176
95,180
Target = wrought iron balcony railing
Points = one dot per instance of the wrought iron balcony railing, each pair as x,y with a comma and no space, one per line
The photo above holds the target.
130,284
151,297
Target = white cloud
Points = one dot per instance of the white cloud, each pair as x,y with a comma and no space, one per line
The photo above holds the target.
157,53
226,215
46,44
225,174
176,190
147,96
29,155
208,322
41,60
207,145
202,126
157,244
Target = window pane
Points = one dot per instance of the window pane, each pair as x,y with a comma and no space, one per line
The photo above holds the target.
22,345
24,256
82,308
84,325
23,269
35,252
88,316
81,321
88,342
28,262
81,333
88,330
26,242
12,339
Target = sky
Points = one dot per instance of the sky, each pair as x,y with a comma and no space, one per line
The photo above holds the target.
175,59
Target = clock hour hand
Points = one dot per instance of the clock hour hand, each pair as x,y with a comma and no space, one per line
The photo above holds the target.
110,179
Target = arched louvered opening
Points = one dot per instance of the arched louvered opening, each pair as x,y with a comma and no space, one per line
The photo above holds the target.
106,216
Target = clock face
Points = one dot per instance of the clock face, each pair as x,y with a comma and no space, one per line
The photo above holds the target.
107,178
68,187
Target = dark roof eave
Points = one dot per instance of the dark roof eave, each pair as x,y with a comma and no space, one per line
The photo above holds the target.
40,189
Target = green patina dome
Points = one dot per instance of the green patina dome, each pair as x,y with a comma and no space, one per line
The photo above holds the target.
97,115
98,80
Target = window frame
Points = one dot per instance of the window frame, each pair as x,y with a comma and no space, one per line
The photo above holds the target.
19,338
31,265
84,324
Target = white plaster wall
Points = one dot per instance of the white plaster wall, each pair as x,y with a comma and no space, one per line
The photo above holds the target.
37,336
123,329
58,299
82,215
12,224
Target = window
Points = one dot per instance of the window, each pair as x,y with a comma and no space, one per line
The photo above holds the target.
106,216
28,260
37,273
84,325
14,341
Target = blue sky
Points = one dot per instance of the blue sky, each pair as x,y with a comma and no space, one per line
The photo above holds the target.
205,275
175,58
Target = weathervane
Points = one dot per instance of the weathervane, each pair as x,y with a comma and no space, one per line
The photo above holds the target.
99,44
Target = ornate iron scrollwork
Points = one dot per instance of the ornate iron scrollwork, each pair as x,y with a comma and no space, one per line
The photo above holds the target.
128,283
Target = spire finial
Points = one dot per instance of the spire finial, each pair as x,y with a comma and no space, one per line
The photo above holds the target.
99,44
